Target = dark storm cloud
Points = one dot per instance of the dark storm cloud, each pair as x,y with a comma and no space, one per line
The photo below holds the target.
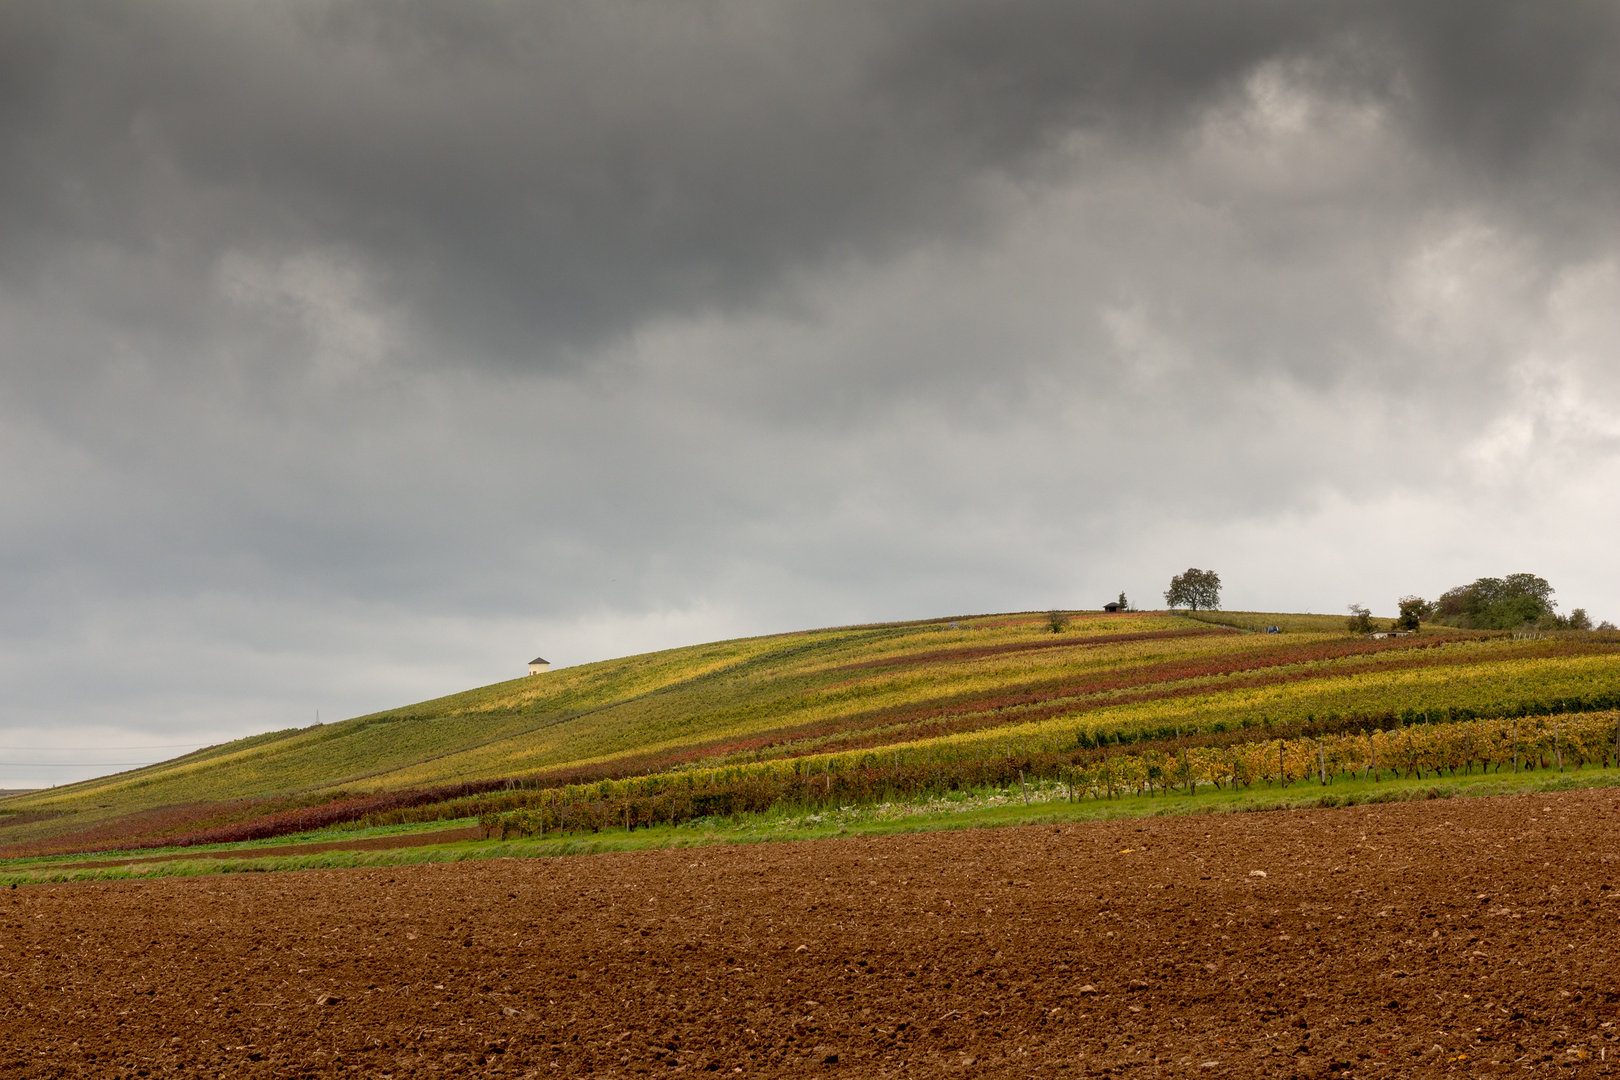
523,177
355,352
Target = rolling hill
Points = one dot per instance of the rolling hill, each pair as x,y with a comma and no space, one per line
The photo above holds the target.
937,690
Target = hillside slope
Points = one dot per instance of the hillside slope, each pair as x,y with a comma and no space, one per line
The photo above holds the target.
996,681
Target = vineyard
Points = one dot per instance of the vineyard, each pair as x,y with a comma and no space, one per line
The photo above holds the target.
1564,742
1142,704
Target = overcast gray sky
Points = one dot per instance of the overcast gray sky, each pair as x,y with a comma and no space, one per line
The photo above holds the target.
352,354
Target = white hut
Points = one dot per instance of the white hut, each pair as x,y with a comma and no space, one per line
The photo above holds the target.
538,665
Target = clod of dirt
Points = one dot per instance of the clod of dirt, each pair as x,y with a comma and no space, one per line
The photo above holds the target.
328,999
1257,873
1088,989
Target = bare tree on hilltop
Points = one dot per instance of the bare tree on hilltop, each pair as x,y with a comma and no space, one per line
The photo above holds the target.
1195,589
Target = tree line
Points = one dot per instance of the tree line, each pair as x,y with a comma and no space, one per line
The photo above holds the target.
1514,602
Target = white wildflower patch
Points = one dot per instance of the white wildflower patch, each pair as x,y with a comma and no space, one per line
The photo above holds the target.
955,802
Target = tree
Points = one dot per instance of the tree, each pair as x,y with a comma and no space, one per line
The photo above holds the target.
1057,621
1360,620
1414,609
1451,606
1497,603
1195,589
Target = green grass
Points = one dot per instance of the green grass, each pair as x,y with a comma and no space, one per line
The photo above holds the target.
977,810
1257,621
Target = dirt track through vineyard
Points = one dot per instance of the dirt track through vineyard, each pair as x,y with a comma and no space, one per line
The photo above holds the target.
1461,937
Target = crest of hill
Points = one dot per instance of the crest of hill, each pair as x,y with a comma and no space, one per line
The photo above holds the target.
660,701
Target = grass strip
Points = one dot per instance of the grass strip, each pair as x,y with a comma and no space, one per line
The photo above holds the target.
1001,808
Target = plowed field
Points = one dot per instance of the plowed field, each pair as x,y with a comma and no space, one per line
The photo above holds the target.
1464,937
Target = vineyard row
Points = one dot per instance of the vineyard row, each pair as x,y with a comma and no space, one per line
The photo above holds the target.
1567,741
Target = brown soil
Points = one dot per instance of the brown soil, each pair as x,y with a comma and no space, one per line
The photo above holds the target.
1464,937
374,843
